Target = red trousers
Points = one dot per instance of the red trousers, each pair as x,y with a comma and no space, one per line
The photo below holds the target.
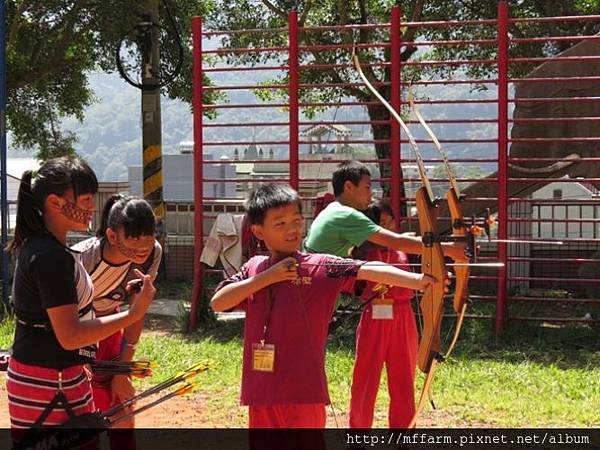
109,349
311,415
395,343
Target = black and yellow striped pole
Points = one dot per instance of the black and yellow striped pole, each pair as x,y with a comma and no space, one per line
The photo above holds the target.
151,118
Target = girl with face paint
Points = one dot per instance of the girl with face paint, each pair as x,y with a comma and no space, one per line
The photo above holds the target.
56,331
125,242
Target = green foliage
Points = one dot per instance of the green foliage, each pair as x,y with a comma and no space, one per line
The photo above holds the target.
7,330
244,14
53,46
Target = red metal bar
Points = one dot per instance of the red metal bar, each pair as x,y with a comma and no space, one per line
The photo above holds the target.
555,119
502,25
281,161
341,122
552,79
293,95
243,69
554,99
593,37
557,139
371,141
451,62
395,101
357,26
554,19
559,180
554,300
550,260
244,87
323,47
242,50
586,159
247,30
566,280
551,201
339,104
543,59
449,23
450,81
198,167
565,220
339,66
451,42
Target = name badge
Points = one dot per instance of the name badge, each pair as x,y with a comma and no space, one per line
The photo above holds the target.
383,309
263,357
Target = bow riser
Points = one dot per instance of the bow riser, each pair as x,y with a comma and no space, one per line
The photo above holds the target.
432,301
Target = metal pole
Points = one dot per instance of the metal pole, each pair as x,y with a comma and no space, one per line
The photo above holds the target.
151,119
395,100
293,94
198,168
501,305
3,162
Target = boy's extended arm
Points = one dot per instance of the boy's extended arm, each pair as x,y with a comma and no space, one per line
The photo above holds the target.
409,243
382,273
406,242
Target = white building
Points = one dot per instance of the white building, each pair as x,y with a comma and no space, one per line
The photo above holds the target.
178,178
566,211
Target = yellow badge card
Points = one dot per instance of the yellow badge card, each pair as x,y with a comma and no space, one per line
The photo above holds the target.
263,357
383,309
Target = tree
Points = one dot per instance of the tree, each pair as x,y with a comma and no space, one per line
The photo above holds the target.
247,14
53,45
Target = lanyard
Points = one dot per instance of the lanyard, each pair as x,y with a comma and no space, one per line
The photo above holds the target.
268,315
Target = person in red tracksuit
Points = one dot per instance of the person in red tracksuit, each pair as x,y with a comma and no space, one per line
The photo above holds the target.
387,334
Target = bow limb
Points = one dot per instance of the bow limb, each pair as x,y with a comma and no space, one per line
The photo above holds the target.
396,116
432,260
461,292
460,231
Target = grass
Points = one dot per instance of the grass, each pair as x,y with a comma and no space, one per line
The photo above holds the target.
534,376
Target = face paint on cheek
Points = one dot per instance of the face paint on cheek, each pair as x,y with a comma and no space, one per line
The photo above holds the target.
73,212
126,251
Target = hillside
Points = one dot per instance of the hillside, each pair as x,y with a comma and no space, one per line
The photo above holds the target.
110,135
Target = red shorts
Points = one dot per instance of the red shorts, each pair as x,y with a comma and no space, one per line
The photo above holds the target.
311,415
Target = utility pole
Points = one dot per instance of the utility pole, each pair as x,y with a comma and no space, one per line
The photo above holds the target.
151,118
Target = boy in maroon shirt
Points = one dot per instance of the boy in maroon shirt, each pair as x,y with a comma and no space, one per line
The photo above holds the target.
289,299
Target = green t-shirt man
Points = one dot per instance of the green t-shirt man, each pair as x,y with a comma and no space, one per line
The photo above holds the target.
339,228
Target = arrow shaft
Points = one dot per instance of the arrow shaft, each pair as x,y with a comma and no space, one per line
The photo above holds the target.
522,241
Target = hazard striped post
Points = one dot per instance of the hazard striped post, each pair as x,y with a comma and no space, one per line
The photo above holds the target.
151,124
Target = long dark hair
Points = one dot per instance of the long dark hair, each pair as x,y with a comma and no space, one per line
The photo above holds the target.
134,215
55,176
375,209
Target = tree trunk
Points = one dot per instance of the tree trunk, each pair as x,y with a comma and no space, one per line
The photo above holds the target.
383,151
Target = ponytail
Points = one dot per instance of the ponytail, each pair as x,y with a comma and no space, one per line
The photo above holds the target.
55,176
101,231
29,215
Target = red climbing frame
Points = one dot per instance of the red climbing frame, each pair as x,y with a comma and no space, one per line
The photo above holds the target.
500,85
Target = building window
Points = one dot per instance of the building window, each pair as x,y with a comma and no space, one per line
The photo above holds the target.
557,193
